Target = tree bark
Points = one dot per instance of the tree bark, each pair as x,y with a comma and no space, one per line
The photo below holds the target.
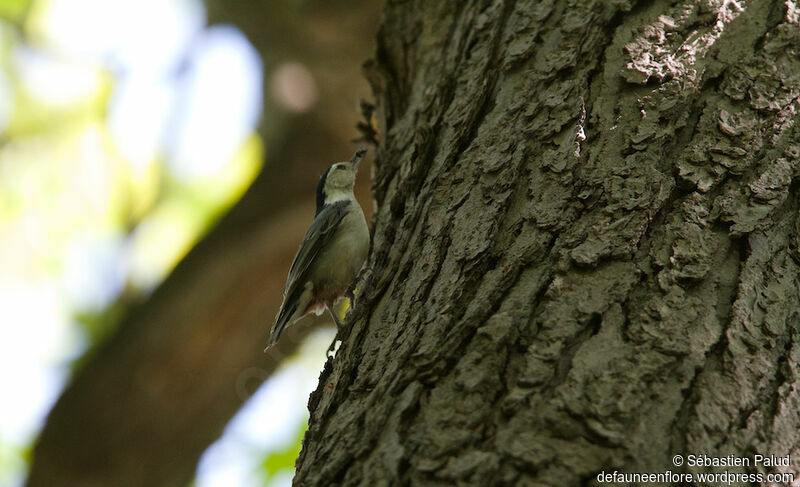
585,251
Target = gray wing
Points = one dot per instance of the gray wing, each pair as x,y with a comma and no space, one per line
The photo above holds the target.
315,241
317,238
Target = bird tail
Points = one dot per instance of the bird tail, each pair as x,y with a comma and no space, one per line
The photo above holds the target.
292,310
281,321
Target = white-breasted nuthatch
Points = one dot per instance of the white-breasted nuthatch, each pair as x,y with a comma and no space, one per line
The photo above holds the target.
332,252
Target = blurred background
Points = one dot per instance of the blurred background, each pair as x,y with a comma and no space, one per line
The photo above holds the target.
131,133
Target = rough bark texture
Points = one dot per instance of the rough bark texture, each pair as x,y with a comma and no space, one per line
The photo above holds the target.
150,400
585,251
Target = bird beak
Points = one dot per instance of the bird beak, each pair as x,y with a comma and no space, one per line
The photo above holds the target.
358,157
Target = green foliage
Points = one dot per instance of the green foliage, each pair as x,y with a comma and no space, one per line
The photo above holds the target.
13,10
281,459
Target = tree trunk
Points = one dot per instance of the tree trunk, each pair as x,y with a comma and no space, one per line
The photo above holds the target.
585,253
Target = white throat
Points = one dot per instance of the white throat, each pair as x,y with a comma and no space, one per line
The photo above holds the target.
338,195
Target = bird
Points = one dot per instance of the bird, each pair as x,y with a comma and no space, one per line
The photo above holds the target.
332,252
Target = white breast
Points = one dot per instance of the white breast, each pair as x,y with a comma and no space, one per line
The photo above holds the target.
350,245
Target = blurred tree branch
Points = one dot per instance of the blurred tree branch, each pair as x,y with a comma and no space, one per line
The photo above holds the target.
150,400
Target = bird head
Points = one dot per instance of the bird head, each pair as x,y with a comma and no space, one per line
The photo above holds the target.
336,184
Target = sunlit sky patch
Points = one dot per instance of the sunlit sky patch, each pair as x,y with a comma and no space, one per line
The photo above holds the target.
38,70
137,119
268,421
143,38
31,360
94,269
132,116
223,82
